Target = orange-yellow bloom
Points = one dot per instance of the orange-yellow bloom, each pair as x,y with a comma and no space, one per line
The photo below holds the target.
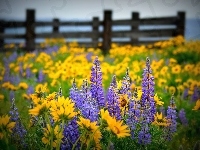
93,132
62,109
5,125
197,106
117,128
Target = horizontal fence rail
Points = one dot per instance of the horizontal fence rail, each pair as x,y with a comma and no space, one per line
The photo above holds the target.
139,28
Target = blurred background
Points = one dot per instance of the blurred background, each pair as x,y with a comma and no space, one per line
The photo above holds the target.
79,10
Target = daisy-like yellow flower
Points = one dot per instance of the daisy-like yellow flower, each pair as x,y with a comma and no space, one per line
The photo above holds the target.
158,100
123,103
23,85
104,114
1,97
172,89
40,109
176,69
92,132
160,120
197,106
117,128
41,88
57,135
25,96
164,70
51,96
62,109
5,125
123,99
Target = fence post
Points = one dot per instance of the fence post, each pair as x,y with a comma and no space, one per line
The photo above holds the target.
107,24
30,29
135,27
1,32
95,28
180,25
55,25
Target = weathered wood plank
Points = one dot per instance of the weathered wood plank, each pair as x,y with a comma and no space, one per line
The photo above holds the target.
144,33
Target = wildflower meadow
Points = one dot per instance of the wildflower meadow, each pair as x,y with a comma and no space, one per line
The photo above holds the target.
69,97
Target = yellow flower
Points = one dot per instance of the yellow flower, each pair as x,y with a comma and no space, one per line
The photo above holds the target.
1,97
197,106
176,69
25,96
117,128
104,114
57,135
188,67
23,85
92,132
139,94
180,88
40,88
172,61
123,100
119,84
157,100
161,82
62,109
160,120
178,80
6,125
51,96
39,109
172,89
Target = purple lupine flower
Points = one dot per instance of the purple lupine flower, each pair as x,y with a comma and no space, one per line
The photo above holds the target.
96,84
147,104
185,93
88,56
13,57
113,101
52,49
182,117
11,95
28,73
89,107
126,83
133,114
30,90
171,119
144,137
14,79
74,95
195,95
71,135
18,132
147,99
40,76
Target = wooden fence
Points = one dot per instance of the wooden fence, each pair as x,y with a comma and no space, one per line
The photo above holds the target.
134,34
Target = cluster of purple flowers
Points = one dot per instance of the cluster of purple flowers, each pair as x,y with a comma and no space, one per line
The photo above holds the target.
182,117
18,132
96,84
171,118
147,103
113,100
140,113
71,135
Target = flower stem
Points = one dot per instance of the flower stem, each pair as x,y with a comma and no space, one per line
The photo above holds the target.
74,145
61,131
